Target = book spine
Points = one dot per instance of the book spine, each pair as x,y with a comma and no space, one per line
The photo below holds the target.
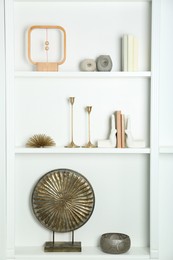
135,43
130,53
118,126
125,53
122,131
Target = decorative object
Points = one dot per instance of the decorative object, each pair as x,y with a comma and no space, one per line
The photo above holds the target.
72,144
104,63
63,200
47,65
89,144
88,65
130,141
40,140
111,142
115,243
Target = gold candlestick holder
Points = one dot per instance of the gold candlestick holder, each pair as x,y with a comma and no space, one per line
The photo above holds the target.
72,144
89,144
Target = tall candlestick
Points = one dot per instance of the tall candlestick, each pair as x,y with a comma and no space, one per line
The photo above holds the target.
72,144
89,144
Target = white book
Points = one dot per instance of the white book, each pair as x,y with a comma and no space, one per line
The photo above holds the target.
135,47
130,53
125,53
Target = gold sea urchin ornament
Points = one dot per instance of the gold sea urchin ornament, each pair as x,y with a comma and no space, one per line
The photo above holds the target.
40,140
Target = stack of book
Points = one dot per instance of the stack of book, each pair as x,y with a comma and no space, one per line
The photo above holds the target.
120,126
129,53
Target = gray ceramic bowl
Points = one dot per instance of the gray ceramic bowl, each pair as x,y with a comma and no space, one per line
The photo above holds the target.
115,243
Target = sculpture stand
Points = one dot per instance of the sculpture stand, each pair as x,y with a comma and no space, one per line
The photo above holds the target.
62,246
47,66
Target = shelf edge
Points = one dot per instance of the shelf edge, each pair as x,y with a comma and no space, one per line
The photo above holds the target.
58,150
118,74
166,150
87,252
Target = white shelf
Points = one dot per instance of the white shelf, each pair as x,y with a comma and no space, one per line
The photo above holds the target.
106,75
166,149
84,1
87,252
59,150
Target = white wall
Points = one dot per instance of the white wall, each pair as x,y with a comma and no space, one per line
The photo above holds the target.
166,132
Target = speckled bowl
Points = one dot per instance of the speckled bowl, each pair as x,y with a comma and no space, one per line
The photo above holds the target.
115,243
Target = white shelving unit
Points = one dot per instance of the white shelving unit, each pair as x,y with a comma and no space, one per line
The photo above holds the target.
125,181
2,137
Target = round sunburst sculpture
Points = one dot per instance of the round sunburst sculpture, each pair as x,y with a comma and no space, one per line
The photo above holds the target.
63,200
40,140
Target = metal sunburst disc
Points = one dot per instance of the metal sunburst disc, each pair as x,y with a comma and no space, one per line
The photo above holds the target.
63,200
